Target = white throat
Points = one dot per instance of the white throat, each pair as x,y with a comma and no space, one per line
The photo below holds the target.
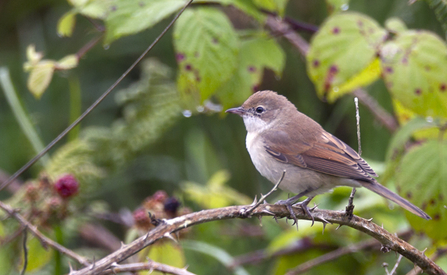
254,124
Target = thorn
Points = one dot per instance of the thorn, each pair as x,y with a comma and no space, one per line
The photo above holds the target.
370,219
168,235
338,227
70,267
260,220
114,264
254,201
423,251
144,239
276,219
122,244
93,264
382,225
324,227
268,212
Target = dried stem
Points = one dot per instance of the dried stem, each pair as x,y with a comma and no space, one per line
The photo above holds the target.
167,227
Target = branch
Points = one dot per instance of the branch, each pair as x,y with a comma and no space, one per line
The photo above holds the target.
151,266
43,239
167,227
298,42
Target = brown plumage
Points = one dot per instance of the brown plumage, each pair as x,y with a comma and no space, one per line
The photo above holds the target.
281,138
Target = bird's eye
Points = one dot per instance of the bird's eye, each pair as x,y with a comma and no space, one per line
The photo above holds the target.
260,110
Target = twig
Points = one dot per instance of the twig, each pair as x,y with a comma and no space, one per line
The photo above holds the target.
333,255
303,47
263,197
25,252
167,227
439,253
93,106
150,265
395,266
88,46
43,239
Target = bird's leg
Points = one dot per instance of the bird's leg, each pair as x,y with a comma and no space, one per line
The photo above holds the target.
292,202
305,208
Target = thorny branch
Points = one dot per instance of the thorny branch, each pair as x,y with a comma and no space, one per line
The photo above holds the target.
150,266
167,227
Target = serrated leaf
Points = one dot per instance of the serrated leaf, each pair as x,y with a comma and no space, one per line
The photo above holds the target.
414,68
421,180
40,77
68,62
337,5
129,17
345,45
206,47
255,54
66,24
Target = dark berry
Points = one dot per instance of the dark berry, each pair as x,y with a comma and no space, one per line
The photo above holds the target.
66,186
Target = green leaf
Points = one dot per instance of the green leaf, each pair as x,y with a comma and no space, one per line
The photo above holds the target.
276,6
38,257
395,25
421,179
165,252
92,8
255,54
415,72
337,5
249,8
404,134
66,24
129,17
68,62
345,46
40,77
32,56
207,48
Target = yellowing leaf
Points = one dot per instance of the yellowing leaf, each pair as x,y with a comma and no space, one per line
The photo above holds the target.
414,67
404,115
68,62
66,24
40,77
129,17
32,56
370,74
343,53
166,252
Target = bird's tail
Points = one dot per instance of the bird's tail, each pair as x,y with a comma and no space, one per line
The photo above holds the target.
385,192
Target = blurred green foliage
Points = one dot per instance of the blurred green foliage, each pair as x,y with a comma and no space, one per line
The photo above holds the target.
164,129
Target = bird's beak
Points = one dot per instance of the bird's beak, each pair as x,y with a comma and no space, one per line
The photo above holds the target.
238,111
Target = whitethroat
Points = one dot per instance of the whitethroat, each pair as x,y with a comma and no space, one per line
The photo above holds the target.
280,138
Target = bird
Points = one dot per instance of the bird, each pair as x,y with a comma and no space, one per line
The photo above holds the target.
285,143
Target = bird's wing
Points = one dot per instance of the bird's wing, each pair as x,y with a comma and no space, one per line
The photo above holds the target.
324,153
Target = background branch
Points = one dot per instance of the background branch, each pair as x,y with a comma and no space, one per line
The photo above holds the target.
167,227
43,239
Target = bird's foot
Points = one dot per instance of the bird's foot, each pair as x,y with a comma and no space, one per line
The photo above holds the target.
291,202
